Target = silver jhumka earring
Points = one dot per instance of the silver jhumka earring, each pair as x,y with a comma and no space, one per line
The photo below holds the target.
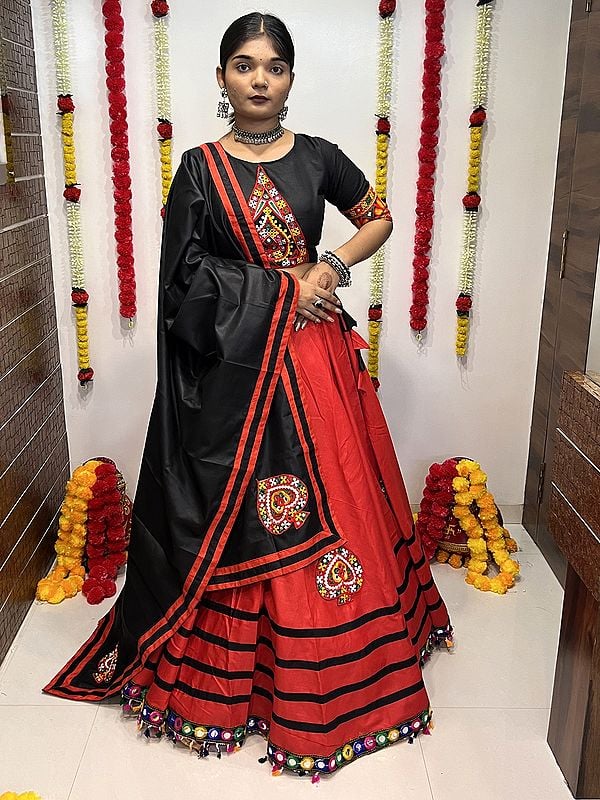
283,113
223,105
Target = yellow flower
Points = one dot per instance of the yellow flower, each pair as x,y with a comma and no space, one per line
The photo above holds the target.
476,565
463,498
511,567
460,512
455,561
478,476
441,556
460,484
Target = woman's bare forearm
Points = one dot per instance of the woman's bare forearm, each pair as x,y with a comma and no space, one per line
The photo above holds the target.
366,241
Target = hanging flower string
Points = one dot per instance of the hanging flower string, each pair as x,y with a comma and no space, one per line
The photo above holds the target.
160,10
431,96
117,109
471,201
72,192
382,131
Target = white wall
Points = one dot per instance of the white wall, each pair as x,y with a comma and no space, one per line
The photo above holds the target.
435,408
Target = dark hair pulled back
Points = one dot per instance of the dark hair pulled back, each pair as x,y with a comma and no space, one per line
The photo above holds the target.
252,25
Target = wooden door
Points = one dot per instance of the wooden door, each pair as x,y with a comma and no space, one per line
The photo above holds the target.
572,260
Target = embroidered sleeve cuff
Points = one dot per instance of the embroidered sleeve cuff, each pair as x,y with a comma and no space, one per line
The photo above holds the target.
370,207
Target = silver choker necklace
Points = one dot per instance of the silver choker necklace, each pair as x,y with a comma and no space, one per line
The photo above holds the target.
262,137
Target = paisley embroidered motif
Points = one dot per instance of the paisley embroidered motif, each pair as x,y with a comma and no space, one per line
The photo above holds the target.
279,501
276,224
339,575
371,206
106,667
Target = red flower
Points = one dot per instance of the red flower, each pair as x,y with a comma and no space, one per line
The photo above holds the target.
424,198
120,153
109,588
434,19
113,38
463,302
95,595
434,33
427,154
426,169
434,5
125,262
114,54
115,84
165,130
121,181
111,8
471,201
430,124
421,261
114,23
478,116
383,125
119,139
434,50
429,140
163,212
432,93
117,100
423,238
160,8
79,297
124,248
387,8
122,195
375,312
85,375
65,103
375,382
424,184
118,126
418,311
72,193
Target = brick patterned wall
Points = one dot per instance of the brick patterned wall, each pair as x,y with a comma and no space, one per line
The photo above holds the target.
34,457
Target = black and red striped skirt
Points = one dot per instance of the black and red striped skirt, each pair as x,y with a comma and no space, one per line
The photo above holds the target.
326,661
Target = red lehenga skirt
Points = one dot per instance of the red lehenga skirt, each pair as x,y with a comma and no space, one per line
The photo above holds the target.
325,662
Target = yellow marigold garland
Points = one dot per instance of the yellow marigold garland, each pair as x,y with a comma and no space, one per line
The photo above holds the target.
67,578
486,537
72,192
384,94
472,200
457,505
160,11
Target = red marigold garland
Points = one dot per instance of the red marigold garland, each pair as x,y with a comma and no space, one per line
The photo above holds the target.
107,534
117,110
434,51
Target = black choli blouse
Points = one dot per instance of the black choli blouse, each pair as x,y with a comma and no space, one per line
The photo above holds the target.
287,197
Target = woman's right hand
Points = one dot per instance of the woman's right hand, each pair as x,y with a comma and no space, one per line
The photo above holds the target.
329,303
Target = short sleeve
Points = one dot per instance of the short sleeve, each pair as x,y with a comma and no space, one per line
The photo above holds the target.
349,190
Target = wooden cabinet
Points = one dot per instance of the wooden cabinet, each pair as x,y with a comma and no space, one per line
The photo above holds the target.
572,261
574,522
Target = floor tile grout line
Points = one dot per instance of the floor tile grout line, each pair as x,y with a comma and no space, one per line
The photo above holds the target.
426,770
83,751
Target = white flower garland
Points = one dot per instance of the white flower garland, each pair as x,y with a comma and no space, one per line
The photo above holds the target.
472,199
66,108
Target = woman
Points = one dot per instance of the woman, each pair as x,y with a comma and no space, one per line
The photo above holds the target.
275,584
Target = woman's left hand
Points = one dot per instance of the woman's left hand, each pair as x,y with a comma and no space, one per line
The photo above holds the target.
322,275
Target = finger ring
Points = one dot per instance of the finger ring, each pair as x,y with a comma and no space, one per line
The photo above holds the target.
318,302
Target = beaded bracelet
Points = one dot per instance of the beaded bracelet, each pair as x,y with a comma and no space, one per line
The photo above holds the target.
336,263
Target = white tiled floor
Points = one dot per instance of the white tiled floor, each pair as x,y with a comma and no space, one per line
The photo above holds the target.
491,699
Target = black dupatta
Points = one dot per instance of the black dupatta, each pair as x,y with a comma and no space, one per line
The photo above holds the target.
229,490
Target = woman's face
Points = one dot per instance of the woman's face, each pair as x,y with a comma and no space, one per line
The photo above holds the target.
258,81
